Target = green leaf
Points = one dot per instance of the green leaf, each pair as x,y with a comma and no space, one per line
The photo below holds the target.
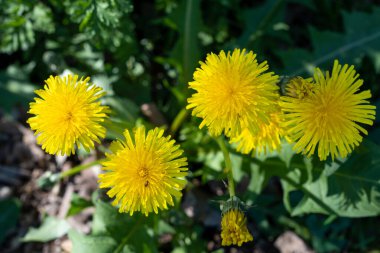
91,244
78,204
9,214
259,19
124,113
359,175
15,87
328,238
186,51
164,227
350,190
97,13
104,22
19,23
107,221
263,167
237,163
123,108
50,229
360,37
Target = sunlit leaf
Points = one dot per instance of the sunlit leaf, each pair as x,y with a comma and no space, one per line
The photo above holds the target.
50,229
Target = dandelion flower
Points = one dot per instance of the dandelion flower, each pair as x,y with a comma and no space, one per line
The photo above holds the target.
144,172
67,113
327,119
268,138
233,92
234,228
299,87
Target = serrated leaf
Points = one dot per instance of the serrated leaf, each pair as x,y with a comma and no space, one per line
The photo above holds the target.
19,22
349,189
101,20
50,229
352,190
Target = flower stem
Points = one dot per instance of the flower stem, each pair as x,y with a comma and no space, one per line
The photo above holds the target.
178,121
79,168
49,179
227,159
126,238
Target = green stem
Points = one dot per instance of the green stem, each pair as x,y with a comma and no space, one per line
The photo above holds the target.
178,121
227,159
79,168
126,238
310,194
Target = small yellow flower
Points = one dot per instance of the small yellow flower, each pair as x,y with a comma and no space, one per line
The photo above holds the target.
268,138
144,172
299,87
234,228
327,119
67,113
233,92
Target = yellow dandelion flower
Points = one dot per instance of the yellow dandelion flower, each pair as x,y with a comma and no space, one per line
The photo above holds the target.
327,119
67,113
144,173
268,138
299,87
234,228
233,93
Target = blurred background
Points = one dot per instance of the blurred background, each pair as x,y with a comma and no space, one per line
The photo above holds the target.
143,53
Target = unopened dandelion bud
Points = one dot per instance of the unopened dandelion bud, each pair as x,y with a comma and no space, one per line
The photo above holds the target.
300,88
234,224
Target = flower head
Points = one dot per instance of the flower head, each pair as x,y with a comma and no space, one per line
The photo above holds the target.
67,113
268,138
328,119
233,93
234,228
144,171
299,87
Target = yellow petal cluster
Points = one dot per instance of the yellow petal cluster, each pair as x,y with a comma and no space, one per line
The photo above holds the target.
268,138
328,118
144,171
233,92
299,87
234,228
67,113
